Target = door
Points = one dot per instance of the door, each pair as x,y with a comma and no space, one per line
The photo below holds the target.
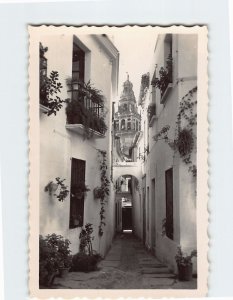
76,194
127,218
152,218
169,203
144,216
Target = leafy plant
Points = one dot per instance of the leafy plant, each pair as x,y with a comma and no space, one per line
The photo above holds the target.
184,259
87,258
165,76
80,189
49,94
103,191
85,263
86,107
86,238
184,141
54,253
63,189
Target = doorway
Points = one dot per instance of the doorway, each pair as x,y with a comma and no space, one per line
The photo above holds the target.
127,218
152,216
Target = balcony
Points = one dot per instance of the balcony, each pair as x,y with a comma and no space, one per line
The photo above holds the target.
85,112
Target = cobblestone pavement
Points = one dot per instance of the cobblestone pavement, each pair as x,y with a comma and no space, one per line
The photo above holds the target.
128,265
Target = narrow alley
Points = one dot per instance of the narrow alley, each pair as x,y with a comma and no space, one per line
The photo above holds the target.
128,265
123,185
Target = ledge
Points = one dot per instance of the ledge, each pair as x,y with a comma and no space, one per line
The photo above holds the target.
152,120
43,108
79,128
166,92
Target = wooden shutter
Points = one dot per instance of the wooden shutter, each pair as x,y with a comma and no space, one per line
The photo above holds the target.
169,203
77,201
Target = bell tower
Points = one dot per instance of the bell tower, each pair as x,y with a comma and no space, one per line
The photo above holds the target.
127,120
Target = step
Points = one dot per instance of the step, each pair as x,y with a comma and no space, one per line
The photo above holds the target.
110,263
153,265
155,271
162,275
157,282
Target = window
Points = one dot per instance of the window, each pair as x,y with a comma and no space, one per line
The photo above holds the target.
169,202
78,63
116,125
76,192
78,67
123,124
167,47
43,75
129,124
168,55
86,106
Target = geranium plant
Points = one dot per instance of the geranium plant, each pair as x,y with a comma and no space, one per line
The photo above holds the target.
184,259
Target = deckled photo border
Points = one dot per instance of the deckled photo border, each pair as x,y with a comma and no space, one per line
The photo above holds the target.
202,165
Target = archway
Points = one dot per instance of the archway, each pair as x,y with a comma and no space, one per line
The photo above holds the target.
127,204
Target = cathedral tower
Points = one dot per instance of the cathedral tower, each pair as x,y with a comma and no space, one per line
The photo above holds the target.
127,120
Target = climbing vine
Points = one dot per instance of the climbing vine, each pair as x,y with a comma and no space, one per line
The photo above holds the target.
184,141
102,192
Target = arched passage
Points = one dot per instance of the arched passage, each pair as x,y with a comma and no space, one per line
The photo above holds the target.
128,203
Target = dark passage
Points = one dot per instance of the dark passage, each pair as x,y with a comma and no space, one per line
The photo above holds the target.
127,218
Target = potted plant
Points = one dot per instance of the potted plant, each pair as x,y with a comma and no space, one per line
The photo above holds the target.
63,191
98,193
184,264
86,260
54,255
79,190
165,76
65,265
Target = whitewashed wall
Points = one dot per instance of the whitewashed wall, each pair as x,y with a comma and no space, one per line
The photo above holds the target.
58,145
162,157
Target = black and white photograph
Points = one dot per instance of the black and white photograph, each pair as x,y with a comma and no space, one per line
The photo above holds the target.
118,161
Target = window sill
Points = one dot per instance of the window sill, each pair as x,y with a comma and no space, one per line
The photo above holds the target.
166,92
79,129
43,108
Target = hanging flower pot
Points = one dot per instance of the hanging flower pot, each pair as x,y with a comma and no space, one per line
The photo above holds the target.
98,193
79,190
51,187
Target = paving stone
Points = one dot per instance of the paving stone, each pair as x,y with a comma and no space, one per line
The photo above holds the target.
126,266
110,263
162,275
157,282
156,265
155,271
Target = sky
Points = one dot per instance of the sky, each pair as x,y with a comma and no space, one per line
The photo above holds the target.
136,51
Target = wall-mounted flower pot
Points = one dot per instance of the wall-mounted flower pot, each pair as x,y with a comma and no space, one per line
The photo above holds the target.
97,193
185,272
51,187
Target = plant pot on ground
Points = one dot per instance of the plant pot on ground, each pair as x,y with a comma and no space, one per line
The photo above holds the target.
184,264
65,265
185,272
83,262
54,253
87,259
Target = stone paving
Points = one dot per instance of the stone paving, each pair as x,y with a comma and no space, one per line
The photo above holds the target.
128,265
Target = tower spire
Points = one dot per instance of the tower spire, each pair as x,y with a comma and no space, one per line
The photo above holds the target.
127,76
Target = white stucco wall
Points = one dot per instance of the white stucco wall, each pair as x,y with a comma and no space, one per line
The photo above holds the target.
58,145
162,157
